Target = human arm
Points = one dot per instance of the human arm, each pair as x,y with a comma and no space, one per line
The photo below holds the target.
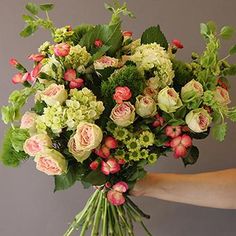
211,189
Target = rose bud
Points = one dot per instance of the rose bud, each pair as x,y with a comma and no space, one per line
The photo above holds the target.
13,62
18,78
94,165
61,49
37,143
221,95
76,83
105,62
127,35
173,131
123,114
88,136
70,75
121,187
111,142
110,167
36,57
145,106
198,120
192,90
54,93
106,151
51,162
108,185
177,43
122,94
168,100
180,151
79,155
98,43
115,198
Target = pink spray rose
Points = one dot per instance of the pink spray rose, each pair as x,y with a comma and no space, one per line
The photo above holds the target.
173,131
28,121
123,114
110,167
18,78
222,95
105,62
36,57
37,143
51,162
13,62
122,94
62,49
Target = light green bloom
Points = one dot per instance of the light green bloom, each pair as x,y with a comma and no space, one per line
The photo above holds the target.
82,106
134,155
153,58
169,100
53,118
146,139
144,153
44,48
52,68
120,133
133,144
78,56
152,158
145,106
62,34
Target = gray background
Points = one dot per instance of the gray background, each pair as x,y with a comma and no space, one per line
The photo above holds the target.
28,205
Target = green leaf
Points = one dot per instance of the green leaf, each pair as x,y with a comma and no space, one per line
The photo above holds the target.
219,131
232,114
154,35
227,32
8,114
176,122
204,29
39,107
100,52
65,181
46,7
212,26
95,178
28,30
32,8
192,156
232,50
28,18
18,137
231,71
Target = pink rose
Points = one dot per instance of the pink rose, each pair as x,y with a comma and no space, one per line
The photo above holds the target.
51,162
37,143
105,62
70,75
110,167
222,95
28,121
88,136
123,114
36,57
122,94
62,49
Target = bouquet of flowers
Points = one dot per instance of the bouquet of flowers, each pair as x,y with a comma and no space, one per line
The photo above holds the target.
106,106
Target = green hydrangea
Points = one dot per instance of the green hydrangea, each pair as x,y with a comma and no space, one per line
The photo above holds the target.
77,57
146,139
153,58
53,117
82,106
62,34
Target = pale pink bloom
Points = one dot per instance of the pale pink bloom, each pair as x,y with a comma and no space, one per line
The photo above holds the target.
61,49
222,95
110,167
36,57
28,121
173,131
115,198
48,166
105,62
122,94
111,142
121,187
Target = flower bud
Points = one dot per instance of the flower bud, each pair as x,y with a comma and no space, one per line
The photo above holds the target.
145,106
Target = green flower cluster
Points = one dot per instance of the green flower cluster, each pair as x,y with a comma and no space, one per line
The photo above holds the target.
153,58
82,106
78,56
45,48
62,34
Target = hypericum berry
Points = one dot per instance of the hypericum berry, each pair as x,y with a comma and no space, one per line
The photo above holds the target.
186,140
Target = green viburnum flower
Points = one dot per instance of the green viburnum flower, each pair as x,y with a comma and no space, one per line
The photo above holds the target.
144,153
78,56
133,144
146,139
152,158
153,58
62,34
53,117
120,133
82,106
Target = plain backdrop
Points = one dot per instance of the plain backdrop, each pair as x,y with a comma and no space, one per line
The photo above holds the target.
28,206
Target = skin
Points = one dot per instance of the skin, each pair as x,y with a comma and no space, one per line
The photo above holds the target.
211,189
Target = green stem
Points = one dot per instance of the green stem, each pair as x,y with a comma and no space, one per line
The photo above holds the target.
104,220
80,216
117,225
97,218
110,220
122,217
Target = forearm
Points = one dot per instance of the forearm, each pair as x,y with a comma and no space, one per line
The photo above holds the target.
212,189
